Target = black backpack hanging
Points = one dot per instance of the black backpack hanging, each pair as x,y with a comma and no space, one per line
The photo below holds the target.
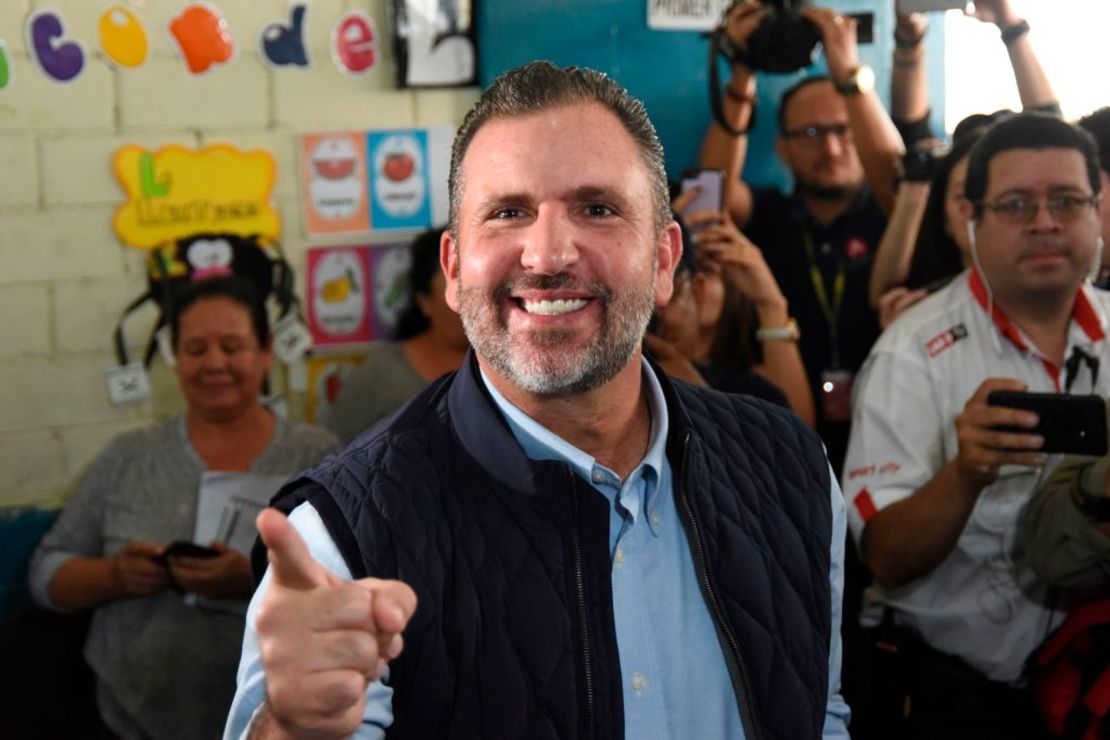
172,268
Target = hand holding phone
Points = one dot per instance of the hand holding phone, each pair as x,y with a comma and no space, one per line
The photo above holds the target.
710,192
184,549
1071,424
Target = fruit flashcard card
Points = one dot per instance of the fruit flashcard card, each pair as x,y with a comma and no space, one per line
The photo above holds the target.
380,182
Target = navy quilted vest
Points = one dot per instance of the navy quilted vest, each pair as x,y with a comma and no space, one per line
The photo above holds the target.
514,633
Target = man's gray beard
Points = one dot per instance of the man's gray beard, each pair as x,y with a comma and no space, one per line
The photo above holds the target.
556,371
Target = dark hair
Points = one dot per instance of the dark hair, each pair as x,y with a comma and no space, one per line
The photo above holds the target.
784,101
732,344
538,86
1097,124
424,266
1035,131
936,254
233,287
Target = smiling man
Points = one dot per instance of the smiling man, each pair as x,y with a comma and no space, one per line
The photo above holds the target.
935,488
596,551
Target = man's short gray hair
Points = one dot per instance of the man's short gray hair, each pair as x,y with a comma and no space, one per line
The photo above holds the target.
538,86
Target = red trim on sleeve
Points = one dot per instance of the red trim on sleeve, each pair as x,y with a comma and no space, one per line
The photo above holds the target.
865,505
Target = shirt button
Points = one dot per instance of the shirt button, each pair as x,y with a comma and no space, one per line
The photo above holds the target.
619,556
639,683
599,477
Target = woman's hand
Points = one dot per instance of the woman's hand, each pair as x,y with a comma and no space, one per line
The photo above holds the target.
226,576
722,245
895,301
137,571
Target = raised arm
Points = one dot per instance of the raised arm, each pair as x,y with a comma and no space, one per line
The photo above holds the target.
909,87
877,140
1034,89
891,264
719,241
721,149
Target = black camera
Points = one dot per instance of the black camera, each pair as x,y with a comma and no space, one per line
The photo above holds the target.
784,41
919,164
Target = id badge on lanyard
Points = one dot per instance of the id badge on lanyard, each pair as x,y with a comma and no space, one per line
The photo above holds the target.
836,383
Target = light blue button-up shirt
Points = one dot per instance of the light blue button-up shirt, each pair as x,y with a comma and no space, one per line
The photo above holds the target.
675,679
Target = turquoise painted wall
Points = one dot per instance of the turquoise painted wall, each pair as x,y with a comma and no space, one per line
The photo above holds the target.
666,69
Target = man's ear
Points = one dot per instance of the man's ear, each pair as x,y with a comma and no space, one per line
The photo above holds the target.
669,250
449,263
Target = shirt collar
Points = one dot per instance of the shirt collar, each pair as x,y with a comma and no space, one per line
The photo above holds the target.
1087,315
540,443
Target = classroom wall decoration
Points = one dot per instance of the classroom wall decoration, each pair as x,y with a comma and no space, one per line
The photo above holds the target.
176,191
378,182
355,294
435,42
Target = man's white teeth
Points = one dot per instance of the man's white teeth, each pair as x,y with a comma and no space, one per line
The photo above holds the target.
553,308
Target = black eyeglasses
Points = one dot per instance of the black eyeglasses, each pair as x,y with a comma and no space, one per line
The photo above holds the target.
814,134
1062,208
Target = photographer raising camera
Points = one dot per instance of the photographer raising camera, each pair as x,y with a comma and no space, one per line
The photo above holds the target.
842,150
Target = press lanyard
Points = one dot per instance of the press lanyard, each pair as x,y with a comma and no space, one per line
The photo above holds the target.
830,310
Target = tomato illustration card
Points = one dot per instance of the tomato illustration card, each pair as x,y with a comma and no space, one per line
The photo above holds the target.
400,196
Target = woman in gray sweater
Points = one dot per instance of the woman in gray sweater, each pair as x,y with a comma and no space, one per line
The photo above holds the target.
165,664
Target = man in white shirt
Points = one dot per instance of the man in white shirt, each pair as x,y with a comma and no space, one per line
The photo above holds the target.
934,488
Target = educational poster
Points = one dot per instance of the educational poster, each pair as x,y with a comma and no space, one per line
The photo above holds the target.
333,182
375,183
325,379
176,191
356,294
390,292
399,180
338,283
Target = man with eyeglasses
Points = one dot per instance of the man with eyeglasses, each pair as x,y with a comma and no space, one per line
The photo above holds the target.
934,487
842,149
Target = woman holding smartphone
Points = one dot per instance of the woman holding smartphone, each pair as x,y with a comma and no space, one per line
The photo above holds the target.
164,666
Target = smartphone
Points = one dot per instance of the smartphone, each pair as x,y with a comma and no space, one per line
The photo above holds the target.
183,549
1072,424
711,185
930,6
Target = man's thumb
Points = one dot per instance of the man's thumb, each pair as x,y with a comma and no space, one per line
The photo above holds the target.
290,561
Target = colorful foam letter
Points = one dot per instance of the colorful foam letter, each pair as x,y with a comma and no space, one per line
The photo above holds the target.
354,43
122,37
5,67
203,37
283,45
61,61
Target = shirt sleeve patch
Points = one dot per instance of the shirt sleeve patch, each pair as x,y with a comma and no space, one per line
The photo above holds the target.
946,339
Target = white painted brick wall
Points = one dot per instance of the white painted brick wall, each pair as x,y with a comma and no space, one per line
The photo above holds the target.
64,278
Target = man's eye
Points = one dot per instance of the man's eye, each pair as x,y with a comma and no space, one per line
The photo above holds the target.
507,213
599,210
1014,206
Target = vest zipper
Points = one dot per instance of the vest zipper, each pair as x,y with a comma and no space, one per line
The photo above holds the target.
753,727
580,584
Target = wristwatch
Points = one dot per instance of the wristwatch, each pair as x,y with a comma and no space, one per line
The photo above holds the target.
861,80
788,332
